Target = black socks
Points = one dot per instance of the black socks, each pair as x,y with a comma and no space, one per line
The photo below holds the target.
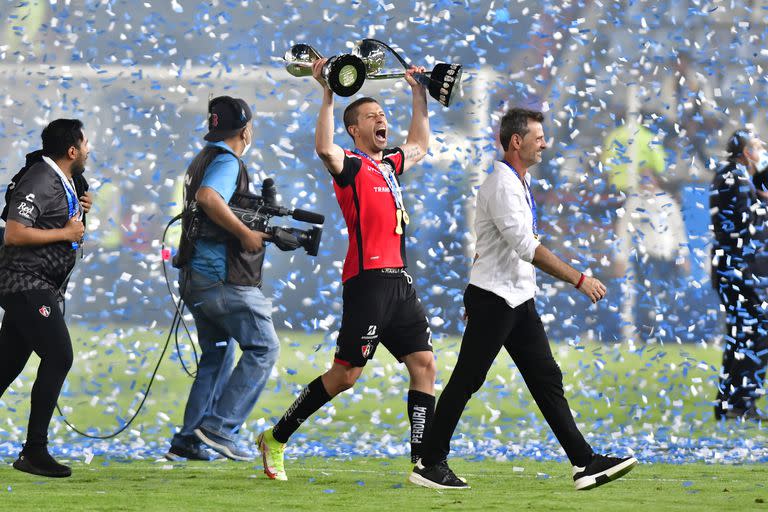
312,398
421,409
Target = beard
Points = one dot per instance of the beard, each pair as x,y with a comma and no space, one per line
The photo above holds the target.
78,168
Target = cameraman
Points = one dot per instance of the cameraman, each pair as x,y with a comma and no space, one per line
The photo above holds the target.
44,227
220,284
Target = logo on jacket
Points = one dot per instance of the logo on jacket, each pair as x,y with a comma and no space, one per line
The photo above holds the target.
45,311
30,197
367,349
25,210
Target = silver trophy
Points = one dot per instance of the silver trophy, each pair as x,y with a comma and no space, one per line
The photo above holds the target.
442,82
345,74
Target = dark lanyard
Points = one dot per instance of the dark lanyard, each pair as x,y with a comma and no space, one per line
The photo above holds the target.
530,200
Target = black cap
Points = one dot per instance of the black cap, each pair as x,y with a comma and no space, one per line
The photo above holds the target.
226,117
737,142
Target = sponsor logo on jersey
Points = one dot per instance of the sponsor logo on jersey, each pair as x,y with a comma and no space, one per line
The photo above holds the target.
25,210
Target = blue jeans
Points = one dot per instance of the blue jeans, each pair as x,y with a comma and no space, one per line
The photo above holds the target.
221,398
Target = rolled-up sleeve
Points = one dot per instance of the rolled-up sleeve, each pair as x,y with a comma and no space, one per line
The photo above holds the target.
511,215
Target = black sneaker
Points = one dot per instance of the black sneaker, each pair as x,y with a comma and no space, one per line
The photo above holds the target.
226,447
438,476
601,470
191,451
40,462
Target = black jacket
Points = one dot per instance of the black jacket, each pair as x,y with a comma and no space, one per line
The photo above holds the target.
738,222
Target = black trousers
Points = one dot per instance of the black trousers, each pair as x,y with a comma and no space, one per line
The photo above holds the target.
745,352
33,322
493,324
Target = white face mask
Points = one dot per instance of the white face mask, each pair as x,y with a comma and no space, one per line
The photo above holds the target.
247,147
762,161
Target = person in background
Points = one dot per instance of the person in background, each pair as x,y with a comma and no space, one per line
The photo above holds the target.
738,249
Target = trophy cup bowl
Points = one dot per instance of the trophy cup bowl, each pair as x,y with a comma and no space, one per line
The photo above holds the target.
300,58
373,55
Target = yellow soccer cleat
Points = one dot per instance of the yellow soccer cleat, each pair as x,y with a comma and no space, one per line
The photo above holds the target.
272,452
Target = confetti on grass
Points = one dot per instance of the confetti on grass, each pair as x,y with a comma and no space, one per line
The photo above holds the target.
604,73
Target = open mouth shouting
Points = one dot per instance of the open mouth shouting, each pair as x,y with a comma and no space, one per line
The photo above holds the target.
380,136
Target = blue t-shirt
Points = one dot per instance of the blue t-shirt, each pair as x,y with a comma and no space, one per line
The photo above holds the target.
210,258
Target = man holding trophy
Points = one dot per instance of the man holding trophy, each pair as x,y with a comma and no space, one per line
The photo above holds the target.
380,303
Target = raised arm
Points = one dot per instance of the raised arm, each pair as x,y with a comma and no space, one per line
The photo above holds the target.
416,145
331,154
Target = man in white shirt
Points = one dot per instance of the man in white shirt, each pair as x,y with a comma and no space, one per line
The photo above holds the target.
501,312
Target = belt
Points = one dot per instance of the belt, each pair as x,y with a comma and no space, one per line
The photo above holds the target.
389,270
392,272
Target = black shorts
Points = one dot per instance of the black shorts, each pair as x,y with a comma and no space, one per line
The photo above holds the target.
381,306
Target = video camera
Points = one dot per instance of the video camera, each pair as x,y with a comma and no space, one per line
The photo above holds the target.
256,212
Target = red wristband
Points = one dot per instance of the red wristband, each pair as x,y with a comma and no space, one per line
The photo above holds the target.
581,280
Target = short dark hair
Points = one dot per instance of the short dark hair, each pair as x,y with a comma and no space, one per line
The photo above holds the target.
515,121
350,113
60,135
737,143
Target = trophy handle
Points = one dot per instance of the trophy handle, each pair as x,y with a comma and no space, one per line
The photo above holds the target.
440,82
402,61
423,78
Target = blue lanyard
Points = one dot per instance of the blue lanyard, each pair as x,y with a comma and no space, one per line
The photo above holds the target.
530,200
73,204
389,177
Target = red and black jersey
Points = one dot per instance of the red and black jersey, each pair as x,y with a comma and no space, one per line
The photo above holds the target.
370,213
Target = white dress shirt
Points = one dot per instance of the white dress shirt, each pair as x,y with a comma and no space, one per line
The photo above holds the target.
505,241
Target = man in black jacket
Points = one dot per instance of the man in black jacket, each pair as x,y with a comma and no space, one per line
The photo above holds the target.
738,221
44,228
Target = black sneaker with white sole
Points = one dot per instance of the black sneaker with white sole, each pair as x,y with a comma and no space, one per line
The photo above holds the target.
191,451
222,445
438,476
601,470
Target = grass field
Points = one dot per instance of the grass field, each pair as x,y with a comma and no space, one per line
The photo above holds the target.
652,401
376,484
